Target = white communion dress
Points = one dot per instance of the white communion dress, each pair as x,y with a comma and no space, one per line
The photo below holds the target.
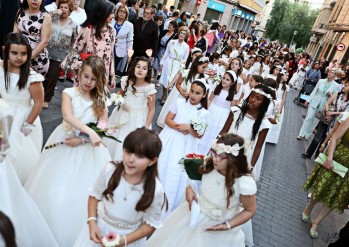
176,145
213,206
30,226
219,111
64,174
121,216
132,115
25,150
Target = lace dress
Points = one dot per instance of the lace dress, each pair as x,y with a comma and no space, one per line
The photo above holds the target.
25,150
212,200
132,115
30,226
175,146
30,26
120,216
219,111
59,184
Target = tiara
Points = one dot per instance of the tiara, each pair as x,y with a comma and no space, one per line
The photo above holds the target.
220,148
203,59
233,74
261,92
203,81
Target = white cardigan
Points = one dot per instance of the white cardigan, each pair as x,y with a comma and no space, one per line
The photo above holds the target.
124,39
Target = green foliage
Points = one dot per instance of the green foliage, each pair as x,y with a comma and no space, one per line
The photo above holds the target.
288,17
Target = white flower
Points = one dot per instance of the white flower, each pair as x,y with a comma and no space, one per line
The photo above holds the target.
221,148
111,240
199,125
117,99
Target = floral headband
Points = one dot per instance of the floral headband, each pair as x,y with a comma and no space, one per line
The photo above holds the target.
271,88
222,148
203,59
261,92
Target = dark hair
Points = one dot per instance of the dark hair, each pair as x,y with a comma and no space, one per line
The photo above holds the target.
131,73
214,26
183,15
270,83
145,143
232,88
17,39
261,113
25,6
203,101
181,24
214,56
195,27
7,231
257,78
175,14
194,69
101,11
237,165
158,18
174,25
278,81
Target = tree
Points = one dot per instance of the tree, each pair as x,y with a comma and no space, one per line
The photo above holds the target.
288,17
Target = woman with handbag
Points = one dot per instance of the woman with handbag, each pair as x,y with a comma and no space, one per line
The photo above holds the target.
324,89
96,37
336,105
64,33
325,184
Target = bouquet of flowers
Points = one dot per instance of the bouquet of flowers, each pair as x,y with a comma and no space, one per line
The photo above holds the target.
111,240
199,125
117,100
216,80
100,128
191,163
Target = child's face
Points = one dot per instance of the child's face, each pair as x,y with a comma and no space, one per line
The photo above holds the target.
226,81
17,55
220,161
253,83
202,67
87,79
247,64
134,164
141,69
255,101
276,71
196,94
285,77
235,65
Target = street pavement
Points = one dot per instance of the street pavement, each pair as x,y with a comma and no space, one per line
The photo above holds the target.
280,199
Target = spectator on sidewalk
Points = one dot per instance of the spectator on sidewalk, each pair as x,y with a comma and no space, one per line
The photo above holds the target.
174,17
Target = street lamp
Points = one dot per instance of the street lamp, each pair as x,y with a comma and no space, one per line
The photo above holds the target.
294,34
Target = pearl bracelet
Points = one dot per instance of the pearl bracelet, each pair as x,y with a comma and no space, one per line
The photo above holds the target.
228,225
91,218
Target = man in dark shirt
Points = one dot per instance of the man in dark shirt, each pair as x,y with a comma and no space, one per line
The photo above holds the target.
145,35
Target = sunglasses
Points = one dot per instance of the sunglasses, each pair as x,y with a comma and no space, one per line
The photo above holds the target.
218,157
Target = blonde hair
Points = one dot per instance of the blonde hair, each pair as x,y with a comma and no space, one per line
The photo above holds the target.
185,29
97,94
117,10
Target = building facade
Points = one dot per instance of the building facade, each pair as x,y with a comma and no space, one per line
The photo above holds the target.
330,38
236,15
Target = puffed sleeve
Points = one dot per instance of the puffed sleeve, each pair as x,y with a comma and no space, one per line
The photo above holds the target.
174,106
151,90
101,183
247,186
154,213
35,77
70,91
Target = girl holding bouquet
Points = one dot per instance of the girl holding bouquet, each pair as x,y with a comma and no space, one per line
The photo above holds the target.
179,138
182,82
22,89
127,200
220,102
65,172
138,108
226,184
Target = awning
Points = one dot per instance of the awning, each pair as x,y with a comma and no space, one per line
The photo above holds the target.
249,8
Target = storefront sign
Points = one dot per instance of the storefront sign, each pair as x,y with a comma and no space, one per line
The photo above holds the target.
216,6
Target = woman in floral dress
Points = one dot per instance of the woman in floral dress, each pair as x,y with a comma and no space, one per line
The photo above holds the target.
325,185
35,23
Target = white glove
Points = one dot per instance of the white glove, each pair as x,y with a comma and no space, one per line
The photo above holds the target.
27,128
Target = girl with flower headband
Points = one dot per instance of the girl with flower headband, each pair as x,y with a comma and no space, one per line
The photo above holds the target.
31,227
219,104
236,66
249,122
64,173
179,138
182,83
22,89
138,109
226,184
